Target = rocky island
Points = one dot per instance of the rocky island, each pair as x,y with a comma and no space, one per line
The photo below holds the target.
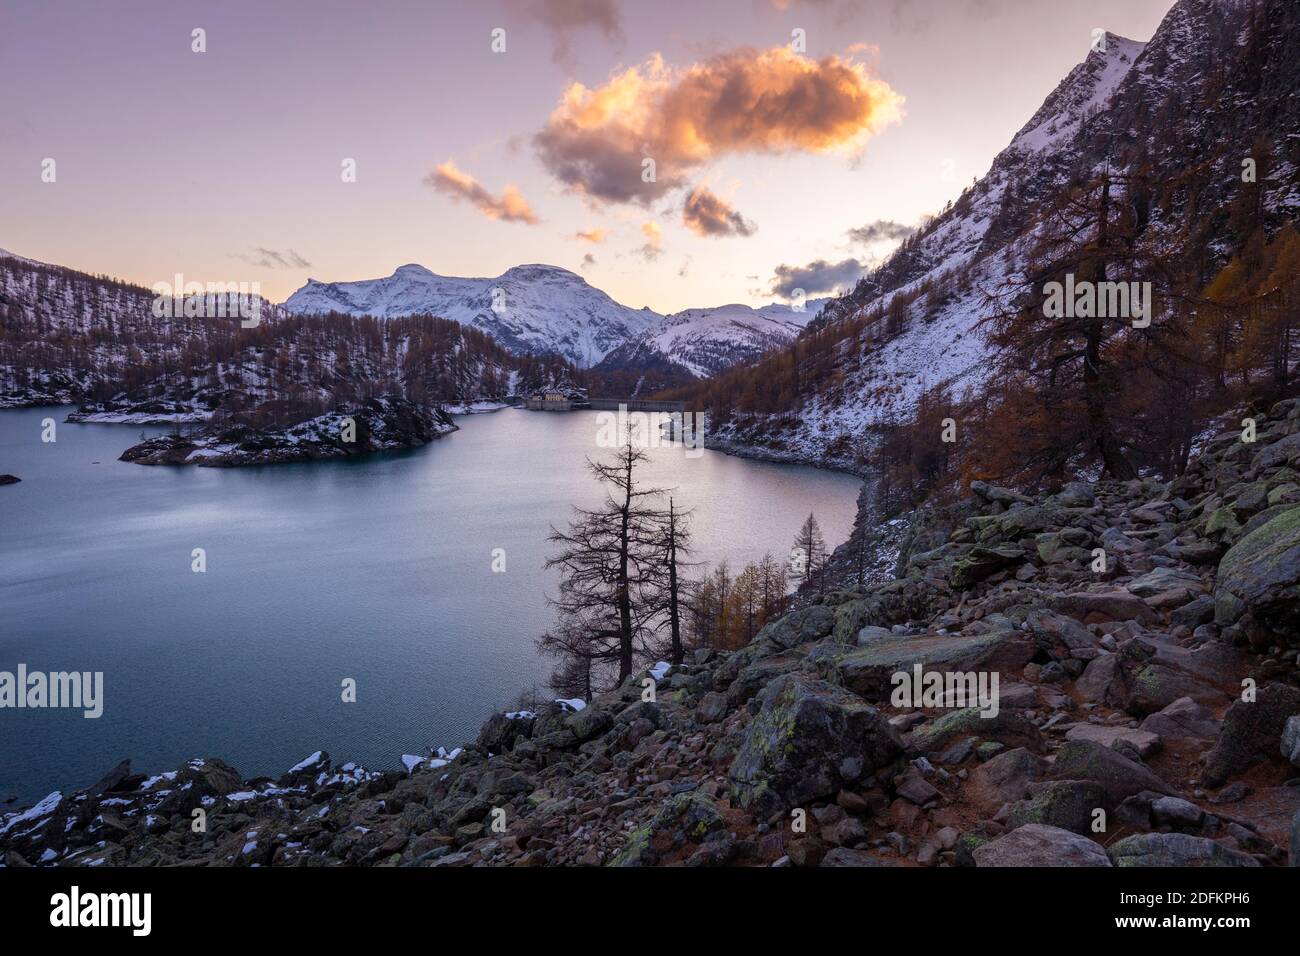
375,425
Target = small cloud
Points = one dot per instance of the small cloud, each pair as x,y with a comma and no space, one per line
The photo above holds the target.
882,230
563,17
588,261
273,259
654,241
594,236
705,214
818,277
510,206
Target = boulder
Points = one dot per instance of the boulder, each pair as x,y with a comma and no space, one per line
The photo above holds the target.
799,627
1036,844
807,740
1184,719
1005,778
1006,727
1101,606
1251,733
1143,741
869,670
1291,740
843,856
1068,804
1119,776
982,562
687,818
1175,849
1259,577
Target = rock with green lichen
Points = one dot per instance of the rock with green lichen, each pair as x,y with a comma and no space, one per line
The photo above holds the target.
1068,804
807,740
1175,849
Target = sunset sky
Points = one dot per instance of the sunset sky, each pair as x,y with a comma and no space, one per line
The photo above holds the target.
226,165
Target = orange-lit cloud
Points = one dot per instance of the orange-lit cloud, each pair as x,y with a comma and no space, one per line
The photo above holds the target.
744,101
706,214
594,236
510,206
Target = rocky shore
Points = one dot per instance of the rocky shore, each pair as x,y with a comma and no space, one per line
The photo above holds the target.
375,425
1147,714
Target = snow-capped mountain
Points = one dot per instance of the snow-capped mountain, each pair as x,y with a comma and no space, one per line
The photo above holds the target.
530,309
703,342
1182,110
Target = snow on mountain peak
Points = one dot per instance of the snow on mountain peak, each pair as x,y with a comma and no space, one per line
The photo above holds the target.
1083,92
530,309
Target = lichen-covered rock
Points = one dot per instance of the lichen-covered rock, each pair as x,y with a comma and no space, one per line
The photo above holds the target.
1068,804
1007,727
1036,844
687,818
1175,849
1119,776
808,739
1259,577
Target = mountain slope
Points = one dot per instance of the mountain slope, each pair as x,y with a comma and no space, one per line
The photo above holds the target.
1216,82
530,309
700,343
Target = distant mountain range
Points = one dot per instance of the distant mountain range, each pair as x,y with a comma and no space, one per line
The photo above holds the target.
538,309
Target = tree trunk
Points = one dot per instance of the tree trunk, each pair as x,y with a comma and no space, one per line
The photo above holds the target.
674,617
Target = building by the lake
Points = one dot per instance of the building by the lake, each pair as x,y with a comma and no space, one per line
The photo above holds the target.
557,400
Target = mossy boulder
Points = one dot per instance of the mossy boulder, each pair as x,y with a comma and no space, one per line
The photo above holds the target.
1260,576
983,562
808,739
1118,776
687,818
1006,727
1068,804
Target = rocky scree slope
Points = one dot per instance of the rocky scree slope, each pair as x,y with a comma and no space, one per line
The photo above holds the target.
1119,691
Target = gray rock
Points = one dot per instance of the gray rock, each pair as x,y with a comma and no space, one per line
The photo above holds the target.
1036,844
1184,719
1260,575
1143,741
1089,606
1291,740
1175,849
1176,811
1251,733
1118,775
805,734
799,627
869,670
